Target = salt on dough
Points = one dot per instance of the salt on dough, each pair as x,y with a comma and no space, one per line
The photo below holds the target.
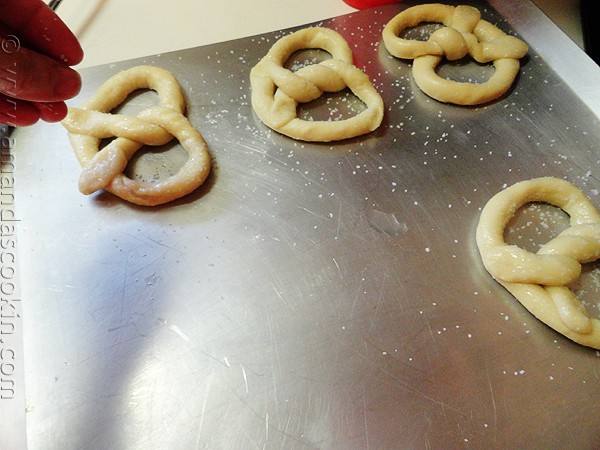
276,91
465,33
103,169
540,281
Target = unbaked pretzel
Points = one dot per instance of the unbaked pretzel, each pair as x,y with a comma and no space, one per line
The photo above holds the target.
464,33
540,281
276,91
102,169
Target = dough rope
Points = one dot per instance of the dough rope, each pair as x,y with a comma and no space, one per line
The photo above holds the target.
103,169
540,281
276,91
465,33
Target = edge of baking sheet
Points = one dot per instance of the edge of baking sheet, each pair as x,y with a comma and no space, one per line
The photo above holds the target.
552,44
13,433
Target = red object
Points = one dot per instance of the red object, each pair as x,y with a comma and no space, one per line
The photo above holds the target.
363,4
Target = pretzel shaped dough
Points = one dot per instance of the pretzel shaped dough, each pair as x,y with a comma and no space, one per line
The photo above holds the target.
276,91
540,281
465,33
102,169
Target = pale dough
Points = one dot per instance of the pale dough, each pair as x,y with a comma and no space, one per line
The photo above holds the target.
92,121
465,33
276,91
540,281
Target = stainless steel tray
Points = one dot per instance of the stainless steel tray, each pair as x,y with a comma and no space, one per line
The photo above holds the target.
309,295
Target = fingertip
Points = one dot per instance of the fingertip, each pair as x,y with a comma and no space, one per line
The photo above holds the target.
74,56
67,83
77,57
52,112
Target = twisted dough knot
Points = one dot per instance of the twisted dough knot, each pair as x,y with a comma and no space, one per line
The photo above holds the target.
276,91
103,169
465,33
540,281
309,82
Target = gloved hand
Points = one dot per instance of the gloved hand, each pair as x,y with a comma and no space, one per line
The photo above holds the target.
364,4
36,50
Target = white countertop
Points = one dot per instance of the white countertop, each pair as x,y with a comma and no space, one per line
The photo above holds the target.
117,30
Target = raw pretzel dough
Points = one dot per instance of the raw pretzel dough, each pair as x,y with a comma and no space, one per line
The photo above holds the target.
276,91
102,169
464,33
540,281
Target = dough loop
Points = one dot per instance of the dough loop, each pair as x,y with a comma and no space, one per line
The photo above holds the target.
276,91
465,33
540,281
103,169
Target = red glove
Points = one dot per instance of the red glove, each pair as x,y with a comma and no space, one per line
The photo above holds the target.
36,50
363,4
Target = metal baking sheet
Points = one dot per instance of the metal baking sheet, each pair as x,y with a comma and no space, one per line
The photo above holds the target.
309,295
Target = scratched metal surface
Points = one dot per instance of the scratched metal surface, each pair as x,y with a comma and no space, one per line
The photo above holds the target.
310,295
